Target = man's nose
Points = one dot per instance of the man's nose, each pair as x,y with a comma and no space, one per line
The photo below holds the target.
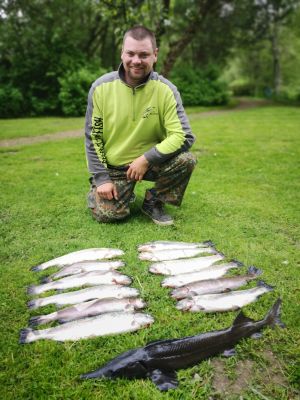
136,59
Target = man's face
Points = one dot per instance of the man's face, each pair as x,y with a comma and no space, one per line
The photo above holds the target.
138,58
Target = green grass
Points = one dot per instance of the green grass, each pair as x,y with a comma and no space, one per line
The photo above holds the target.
26,127
243,195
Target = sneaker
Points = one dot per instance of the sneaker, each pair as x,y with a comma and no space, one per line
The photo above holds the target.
154,209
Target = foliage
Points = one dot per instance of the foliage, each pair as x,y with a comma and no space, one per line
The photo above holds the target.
200,87
11,101
242,195
74,87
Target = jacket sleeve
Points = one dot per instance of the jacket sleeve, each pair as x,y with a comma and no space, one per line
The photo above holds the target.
94,145
179,136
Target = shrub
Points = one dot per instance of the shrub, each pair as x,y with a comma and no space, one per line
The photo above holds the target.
200,87
11,102
74,87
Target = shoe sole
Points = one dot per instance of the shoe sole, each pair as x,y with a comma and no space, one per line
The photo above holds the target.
158,222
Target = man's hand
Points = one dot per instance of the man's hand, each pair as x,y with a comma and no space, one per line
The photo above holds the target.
137,169
107,191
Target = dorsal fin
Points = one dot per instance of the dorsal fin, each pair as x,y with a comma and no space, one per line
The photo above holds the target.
241,319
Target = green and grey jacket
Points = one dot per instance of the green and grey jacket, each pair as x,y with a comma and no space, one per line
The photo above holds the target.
123,122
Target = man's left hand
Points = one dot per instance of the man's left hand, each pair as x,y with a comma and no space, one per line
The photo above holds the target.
137,169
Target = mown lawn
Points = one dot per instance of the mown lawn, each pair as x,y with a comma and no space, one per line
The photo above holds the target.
244,196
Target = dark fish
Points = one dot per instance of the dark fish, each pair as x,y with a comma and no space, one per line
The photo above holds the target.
159,360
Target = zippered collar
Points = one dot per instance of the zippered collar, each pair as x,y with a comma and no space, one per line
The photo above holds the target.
121,73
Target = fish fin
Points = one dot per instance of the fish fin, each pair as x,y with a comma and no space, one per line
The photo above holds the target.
256,335
238,263
254,271
241,319
164,380
273,316
23,335
264,284
229,353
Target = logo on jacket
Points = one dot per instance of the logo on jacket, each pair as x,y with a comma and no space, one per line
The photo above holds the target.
150,111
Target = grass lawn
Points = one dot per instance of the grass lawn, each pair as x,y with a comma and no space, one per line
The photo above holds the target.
243,196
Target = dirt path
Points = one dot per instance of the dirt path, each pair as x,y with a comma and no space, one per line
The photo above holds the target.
244,104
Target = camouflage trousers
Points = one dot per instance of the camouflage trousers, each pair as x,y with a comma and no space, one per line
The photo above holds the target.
171,179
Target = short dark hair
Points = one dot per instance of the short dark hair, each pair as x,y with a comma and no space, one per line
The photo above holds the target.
139,32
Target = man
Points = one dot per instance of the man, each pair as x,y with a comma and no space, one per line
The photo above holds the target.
136,129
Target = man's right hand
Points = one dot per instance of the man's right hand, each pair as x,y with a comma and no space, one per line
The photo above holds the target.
107,191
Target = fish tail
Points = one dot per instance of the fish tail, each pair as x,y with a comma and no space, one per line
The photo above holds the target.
46,279
38,320
254,271
90,375
265,285
273,316
36,268
237,263
32,289
209,243
26,336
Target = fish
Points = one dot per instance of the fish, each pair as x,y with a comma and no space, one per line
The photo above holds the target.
225,301
171,245
92,278
215,285
89,309
174,267
160,360
101,325
164,255
78,256
212,272
87,266
78,296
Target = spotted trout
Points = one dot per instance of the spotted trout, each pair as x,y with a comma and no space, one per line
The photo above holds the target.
160,360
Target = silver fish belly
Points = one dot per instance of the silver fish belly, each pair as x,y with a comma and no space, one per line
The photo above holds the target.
87,266
174,267
81,255
171,245
223,302
215,285
164,255
93,278
101,325
78,296
89,309
213,272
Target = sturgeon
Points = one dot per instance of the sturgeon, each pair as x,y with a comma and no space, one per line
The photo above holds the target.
215,285
171,245
174,267
224,301
101,325
213,272
93,278
87,266
89,309
78,296
164,255
78,256
160,360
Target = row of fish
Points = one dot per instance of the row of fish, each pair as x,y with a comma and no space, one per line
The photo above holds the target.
108,306
198,283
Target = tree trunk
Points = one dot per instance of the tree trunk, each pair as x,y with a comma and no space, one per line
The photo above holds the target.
276,59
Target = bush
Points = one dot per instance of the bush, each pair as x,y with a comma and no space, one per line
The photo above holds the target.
74,87
11,102
200,87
